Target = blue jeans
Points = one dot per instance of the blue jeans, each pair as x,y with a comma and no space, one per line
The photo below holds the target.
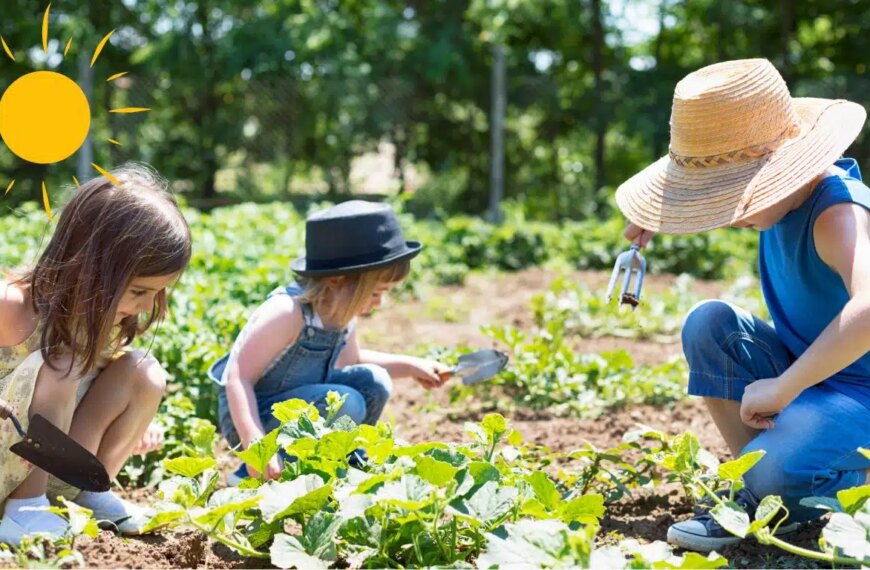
366,386
812,450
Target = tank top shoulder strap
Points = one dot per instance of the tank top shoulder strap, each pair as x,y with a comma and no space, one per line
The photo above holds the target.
295,291
844,187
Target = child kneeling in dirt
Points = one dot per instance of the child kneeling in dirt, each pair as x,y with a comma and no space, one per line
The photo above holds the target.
302,341
65,326
744,153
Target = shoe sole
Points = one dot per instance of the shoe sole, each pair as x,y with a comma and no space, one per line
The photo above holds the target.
700,543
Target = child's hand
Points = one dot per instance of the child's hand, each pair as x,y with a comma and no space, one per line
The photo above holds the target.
637,234
152,440
273,470
762,401
428,373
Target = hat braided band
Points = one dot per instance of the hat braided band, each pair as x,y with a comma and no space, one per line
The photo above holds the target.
739,155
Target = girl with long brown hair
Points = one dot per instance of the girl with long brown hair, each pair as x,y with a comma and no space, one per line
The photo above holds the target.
65,329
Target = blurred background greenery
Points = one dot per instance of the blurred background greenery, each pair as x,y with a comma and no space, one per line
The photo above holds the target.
257,100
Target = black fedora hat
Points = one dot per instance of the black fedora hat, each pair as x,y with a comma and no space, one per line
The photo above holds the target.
352,237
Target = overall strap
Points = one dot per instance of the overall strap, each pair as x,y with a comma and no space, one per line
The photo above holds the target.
307,312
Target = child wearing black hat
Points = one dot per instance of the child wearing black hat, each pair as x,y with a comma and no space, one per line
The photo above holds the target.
302,342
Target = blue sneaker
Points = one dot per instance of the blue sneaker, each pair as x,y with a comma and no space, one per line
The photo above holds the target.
703,534
358,458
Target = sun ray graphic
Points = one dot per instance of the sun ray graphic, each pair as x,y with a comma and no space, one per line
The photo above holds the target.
45,201
6,49
107,174
100,47
45,116
45,29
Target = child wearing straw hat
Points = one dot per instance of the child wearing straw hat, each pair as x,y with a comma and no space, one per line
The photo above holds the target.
744,153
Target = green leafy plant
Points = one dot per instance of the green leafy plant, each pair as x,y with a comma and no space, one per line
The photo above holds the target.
425,504
545,372
845,539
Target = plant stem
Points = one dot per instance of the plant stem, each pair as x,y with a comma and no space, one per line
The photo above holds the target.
769,538
242,549
707,489
815,555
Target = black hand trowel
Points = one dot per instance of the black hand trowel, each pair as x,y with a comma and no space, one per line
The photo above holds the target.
47,447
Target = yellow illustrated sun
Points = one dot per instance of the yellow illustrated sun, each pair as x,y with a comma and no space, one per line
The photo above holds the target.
45,116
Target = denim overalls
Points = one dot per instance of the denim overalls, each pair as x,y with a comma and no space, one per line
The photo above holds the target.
306,370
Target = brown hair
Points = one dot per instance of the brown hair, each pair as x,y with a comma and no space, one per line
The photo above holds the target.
106,236
318,289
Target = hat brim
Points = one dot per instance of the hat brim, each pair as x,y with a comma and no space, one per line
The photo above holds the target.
668,198
412,249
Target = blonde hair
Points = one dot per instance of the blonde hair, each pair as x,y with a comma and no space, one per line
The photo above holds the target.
319,290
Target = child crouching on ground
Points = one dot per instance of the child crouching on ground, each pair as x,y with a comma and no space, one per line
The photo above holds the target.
302,341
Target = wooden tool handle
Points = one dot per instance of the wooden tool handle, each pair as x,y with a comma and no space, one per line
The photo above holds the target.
6,410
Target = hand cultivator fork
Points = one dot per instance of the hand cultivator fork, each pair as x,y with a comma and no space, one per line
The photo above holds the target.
632,262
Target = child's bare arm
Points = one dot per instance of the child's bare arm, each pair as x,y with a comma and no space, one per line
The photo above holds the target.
842,239
426,372
272,328
11,315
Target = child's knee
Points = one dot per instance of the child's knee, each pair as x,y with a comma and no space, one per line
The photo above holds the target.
146,376
705,322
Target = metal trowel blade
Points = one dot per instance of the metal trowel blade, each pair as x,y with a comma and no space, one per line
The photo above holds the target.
49,448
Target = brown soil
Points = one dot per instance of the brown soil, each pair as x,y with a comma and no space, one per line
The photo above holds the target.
427,416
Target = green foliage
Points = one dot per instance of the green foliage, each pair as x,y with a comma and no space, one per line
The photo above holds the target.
256,98
576,310
545,372
845,539
431,504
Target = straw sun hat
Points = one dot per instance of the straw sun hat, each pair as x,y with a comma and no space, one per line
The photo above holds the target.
739,144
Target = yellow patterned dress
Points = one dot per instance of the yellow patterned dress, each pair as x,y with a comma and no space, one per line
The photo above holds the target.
19,367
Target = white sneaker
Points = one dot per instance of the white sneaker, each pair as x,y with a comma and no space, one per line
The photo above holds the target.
114,513
12,533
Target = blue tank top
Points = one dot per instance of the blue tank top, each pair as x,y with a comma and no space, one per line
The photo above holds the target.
802,293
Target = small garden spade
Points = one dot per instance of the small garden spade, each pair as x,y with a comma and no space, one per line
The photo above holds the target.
478,366
47,447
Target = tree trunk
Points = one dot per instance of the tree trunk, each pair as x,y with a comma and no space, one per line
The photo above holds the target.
400,144
86,152
786,20
660,134
496,128
288,178
209,104
600,120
